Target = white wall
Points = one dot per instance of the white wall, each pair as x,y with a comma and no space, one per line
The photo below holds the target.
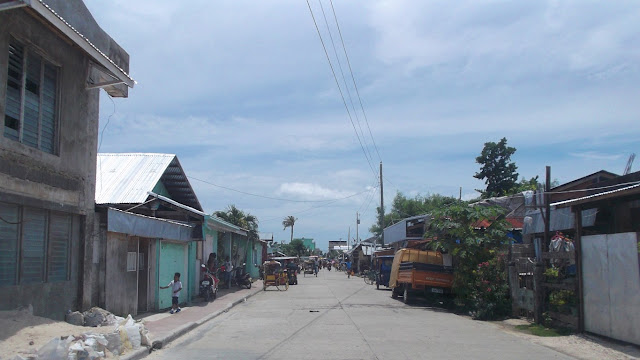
611,276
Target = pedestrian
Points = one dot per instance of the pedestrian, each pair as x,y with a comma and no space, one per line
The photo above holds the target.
212,263
348,267
228,267
176,286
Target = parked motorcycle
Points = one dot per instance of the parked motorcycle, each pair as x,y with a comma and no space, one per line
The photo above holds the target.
241,278
238,277
208,285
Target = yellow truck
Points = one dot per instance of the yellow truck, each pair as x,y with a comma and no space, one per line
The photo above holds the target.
420,271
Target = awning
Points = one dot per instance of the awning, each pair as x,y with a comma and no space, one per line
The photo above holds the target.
215,223
139,225
105,72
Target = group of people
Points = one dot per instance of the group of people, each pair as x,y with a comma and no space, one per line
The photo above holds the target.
212,266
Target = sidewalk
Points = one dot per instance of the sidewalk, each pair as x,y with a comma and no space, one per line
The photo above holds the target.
165,327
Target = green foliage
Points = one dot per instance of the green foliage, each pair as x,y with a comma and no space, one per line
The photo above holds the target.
480,279
241,219
540,330
562,300
551,273
295,248
497,170
490,292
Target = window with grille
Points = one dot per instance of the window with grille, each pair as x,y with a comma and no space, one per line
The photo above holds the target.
31,99
35,245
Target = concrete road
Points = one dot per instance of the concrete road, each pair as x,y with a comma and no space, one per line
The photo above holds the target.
333,317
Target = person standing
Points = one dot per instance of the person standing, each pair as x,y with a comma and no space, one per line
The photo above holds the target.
176,287
228,267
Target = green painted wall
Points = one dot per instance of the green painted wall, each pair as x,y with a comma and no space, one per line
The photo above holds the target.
161,190
172,259
193,288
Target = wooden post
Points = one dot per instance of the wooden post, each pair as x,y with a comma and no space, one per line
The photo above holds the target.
579,274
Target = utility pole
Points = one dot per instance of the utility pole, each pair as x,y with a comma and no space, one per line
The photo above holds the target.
381,207
357,225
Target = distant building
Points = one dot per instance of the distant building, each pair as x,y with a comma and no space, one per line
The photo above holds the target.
338,245
309,243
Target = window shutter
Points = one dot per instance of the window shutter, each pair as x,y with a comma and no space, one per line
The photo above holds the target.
9,225
34,228
32,101
49,92
14,92
59,240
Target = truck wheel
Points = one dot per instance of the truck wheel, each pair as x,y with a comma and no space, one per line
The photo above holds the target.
405,295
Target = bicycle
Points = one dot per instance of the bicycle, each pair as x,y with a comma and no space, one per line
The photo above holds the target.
370,277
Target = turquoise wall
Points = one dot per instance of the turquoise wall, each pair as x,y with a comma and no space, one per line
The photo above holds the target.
193,287
161,190
172,260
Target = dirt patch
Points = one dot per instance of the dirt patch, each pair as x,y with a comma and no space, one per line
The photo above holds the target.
22,333
580,346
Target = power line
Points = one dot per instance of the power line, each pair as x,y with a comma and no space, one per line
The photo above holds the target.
339,88
275,198
354,80
344,79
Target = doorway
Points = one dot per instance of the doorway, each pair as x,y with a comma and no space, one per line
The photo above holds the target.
143,275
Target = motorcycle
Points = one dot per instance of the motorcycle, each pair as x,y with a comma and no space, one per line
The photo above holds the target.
242,278
208,285
238,277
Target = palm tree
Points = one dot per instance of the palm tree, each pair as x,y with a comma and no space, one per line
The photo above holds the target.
289,221
239,218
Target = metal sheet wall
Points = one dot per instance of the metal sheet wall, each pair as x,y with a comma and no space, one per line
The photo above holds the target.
611,275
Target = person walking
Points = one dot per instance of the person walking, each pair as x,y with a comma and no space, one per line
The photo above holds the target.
176,287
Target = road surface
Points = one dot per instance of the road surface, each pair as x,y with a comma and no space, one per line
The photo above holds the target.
333,317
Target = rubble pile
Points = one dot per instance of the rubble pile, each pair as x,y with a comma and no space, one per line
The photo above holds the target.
127,335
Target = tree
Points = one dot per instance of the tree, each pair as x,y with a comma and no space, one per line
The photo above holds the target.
289,221
497,170
480,278
295,248
241,219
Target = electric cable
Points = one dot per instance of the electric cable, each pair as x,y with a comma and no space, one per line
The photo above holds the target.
339,88
354,80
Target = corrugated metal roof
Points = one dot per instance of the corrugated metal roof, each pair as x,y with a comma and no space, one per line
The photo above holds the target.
128,177
594,196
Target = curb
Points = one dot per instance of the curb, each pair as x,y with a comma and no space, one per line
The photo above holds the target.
144,351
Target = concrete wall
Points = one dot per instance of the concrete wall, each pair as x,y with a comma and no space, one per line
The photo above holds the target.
64,181
121,288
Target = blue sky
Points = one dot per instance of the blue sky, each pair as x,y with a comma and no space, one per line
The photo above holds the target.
242,92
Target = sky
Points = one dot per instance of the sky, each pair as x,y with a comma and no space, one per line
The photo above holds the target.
242,92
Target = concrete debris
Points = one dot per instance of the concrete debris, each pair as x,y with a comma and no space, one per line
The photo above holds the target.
95,317
75,318
127,335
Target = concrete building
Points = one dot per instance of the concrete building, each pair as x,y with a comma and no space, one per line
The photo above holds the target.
54,58
309,243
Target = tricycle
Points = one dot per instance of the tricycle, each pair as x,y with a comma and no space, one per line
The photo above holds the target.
274,275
